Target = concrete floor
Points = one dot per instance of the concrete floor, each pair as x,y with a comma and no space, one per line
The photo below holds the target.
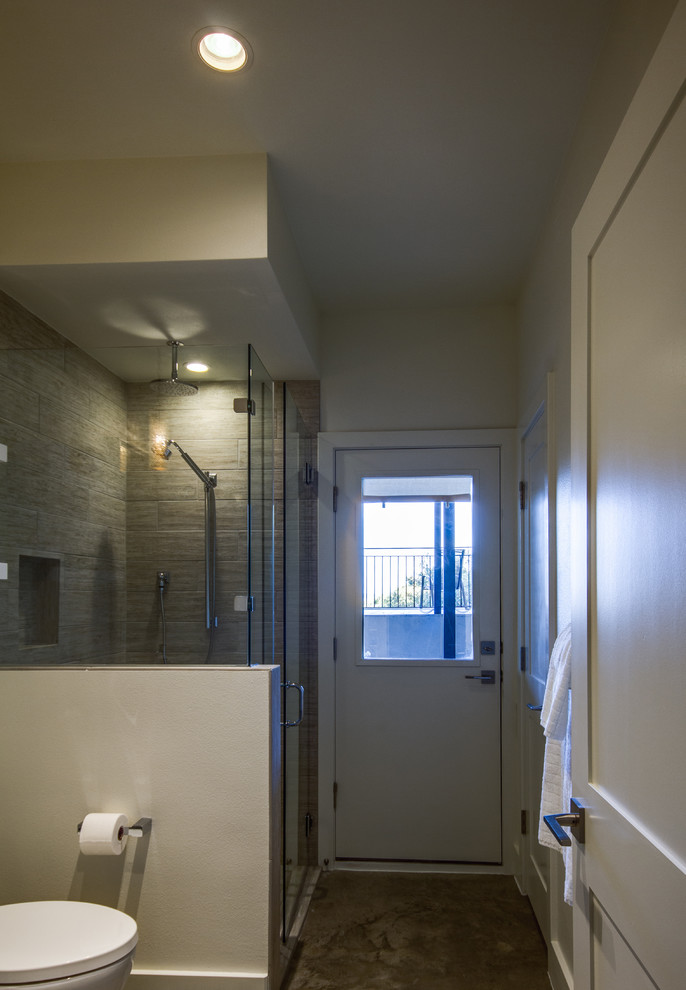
412,931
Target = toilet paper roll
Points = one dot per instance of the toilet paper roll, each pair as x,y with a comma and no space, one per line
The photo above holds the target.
103,834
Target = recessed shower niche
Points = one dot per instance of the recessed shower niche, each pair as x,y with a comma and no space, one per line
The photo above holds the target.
39,600
92,511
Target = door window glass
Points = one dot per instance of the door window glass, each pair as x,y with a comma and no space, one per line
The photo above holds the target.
417,568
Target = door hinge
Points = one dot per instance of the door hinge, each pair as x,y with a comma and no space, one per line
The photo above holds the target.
335,498
522,657
335,649
335,794
244,406
522,494
308,474
309,825
523,822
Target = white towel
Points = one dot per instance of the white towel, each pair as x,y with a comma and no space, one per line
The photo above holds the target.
556,719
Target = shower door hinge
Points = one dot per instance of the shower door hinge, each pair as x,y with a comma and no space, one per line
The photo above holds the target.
523,822
522,494
308,474
309,825
244,406
335,498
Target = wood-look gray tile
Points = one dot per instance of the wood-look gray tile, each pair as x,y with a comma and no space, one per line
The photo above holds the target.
94,472
106,510
61,424
141,515
18,404
89,374
162,485
59,534
20,329
181,515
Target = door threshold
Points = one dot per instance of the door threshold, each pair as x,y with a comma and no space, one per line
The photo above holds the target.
406,866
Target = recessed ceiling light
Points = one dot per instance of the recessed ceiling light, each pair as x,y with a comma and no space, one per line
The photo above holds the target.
196,366
222,49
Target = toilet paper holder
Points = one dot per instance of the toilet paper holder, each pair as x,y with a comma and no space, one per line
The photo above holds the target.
135,831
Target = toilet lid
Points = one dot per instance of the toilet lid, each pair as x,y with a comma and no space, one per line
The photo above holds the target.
46,940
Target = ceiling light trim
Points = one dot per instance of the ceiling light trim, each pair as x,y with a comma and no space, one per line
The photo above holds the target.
208,46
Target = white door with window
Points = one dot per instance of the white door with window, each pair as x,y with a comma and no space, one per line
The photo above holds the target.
417,673
629,497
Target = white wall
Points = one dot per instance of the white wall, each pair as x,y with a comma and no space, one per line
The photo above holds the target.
131,210
195,749
426,369
544,318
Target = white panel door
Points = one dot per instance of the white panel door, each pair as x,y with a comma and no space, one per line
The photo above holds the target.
417,737
629,477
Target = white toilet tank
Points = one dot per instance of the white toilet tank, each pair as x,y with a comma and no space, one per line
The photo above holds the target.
57,944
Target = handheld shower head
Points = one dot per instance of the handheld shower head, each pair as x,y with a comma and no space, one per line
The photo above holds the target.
208,479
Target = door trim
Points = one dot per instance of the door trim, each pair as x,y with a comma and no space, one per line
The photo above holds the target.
329,443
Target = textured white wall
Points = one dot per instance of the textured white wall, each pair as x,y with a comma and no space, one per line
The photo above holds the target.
427,369
195,749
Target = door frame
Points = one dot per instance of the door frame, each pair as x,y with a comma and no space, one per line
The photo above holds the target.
559,960
329,444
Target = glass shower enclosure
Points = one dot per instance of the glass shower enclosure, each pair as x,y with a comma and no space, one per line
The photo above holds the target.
114,553
298,663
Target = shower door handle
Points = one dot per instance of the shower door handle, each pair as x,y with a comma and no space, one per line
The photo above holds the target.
288,685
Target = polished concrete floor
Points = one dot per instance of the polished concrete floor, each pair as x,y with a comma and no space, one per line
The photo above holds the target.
411,931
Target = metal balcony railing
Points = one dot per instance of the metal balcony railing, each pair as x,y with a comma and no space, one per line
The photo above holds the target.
397,579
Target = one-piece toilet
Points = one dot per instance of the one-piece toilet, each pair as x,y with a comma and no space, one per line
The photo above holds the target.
55,945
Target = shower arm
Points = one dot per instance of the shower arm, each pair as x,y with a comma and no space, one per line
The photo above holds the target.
209,481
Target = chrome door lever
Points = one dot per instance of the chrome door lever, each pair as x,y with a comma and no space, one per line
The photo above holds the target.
574,820
486,677
534,708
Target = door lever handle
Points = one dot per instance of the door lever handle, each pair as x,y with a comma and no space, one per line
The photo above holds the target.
575,820
535,708
486,677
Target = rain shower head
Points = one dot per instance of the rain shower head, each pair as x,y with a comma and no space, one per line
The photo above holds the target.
172,386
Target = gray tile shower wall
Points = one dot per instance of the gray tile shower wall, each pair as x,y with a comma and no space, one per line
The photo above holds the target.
62,498
89,513
166,524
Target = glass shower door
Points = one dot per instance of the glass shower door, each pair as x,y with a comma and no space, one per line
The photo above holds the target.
295,596
260,513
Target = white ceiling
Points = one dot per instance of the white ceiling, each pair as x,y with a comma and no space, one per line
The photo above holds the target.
415,146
